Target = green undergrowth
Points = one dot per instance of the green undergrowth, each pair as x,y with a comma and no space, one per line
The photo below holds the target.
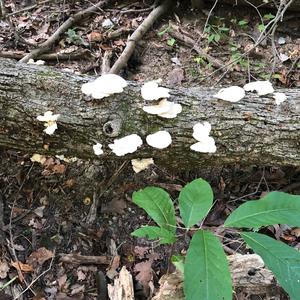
205,265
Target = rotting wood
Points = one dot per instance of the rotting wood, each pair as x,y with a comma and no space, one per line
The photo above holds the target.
252,131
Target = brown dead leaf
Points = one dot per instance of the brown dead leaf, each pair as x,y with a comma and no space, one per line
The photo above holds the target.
119,43
112,271
39,256
17,211
80,275
141,251
116,205
62,281
176,76
288,237
95,36
22,267
59,169
145,274
296,232
69,183
4,268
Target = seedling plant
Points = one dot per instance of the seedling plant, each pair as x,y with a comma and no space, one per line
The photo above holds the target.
205,265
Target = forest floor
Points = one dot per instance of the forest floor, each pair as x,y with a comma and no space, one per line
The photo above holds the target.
54,243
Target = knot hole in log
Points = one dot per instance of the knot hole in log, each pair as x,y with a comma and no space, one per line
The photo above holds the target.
112,128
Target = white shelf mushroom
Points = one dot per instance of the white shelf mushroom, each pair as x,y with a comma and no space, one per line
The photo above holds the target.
160,139
151,91
140,164
279,98
206,143
231,94
125,145
206,146
164,109
104,86
97,149
261,87
201,131
49,121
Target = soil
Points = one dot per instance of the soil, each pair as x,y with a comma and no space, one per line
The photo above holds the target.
49,209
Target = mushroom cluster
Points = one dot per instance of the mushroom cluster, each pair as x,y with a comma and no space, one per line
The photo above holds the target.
104,86
262,88
165,109
109,84
49,121
206,143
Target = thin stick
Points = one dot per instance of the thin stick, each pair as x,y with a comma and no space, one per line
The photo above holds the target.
44,47
138,34
36,279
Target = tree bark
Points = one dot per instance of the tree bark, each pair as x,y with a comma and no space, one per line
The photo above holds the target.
252,131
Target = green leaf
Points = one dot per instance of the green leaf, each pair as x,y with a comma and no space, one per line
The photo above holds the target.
171,42
210,38
261,27
154,232
268,17
274,208
195,200
206,271
281,259
217,37
178,262
158,205
243,23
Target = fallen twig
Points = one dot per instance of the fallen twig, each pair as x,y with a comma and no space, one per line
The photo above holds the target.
44,47
105,67
191,43
2,238
84,259
36,279
263,35
138,34
76,55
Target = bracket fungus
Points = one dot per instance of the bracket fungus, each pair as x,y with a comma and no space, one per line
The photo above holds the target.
140,164
160,139
125,145
261,87
151,91
164,109
104,86
49,121
231,94
97,149
206,143
279,98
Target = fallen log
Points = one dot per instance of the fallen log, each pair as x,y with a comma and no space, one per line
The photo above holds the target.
252,131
